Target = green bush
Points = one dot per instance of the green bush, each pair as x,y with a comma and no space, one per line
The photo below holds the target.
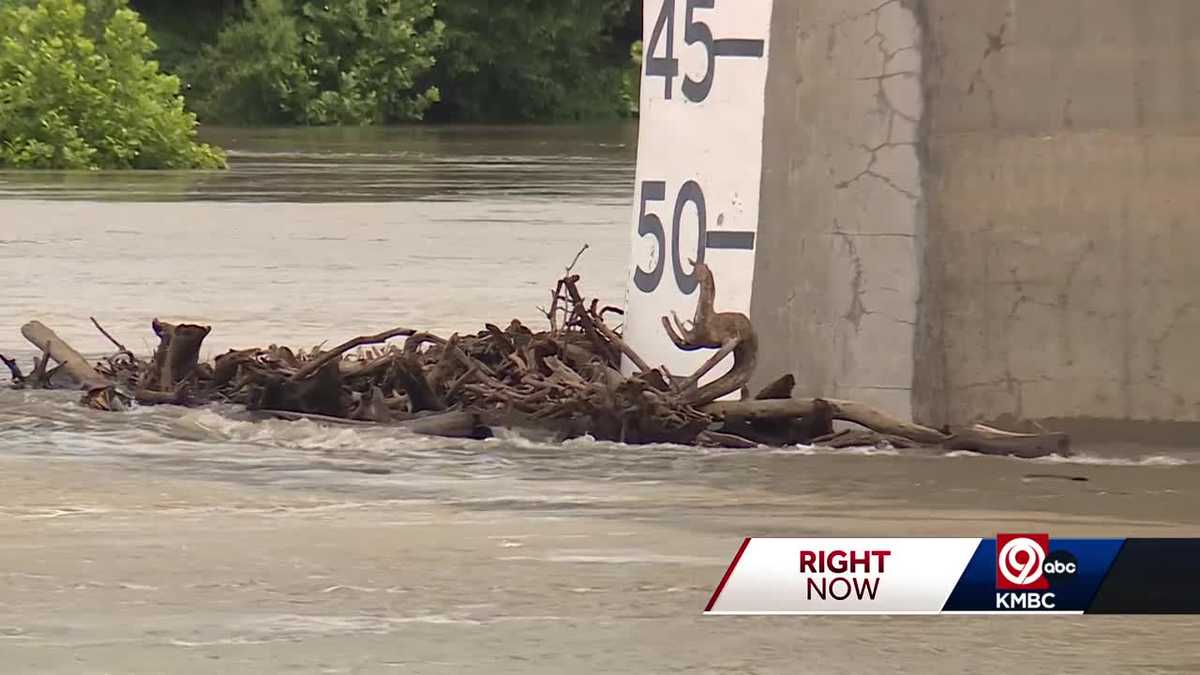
181,28
367,55
77,91
309,62
532,59
254,71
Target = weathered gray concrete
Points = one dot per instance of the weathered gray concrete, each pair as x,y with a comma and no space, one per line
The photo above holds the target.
836,278
1019,240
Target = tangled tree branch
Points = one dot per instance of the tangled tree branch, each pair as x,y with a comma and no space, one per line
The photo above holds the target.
566,379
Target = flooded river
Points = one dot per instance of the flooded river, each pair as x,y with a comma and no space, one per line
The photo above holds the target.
177,540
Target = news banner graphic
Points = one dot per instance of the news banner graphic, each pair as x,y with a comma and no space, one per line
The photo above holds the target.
1013,573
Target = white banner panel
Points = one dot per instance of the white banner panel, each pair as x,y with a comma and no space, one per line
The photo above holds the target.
699,165
830,576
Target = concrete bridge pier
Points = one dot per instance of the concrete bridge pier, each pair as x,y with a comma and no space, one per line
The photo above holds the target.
984,209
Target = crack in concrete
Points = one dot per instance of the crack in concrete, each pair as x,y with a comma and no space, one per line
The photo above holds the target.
892,59
1156,344
885,104
995,45
1026,300
1064,302
1064,296
874,11
872,160
1014,389
1014,386
858,308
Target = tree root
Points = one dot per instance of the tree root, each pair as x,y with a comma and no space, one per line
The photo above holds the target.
724,331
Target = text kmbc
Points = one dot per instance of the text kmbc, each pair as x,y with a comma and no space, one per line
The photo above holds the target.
1027,570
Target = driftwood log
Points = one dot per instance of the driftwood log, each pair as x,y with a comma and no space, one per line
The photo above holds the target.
991,441
849,411
566,380
64,354
177,355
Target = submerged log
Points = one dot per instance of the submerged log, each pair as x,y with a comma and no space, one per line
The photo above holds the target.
456,424
72,361
857,438
849,411
717,439
292,416
321,394
991,441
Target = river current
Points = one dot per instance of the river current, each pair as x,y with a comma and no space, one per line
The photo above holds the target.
194,540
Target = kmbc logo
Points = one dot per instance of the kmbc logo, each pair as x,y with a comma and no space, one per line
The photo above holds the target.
1021,560
1028,573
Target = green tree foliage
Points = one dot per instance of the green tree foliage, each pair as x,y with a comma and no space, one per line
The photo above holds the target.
313,62
367,55
532,59
181,28
78,91
631,81
254,72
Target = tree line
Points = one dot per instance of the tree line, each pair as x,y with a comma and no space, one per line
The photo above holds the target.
381,61
123,83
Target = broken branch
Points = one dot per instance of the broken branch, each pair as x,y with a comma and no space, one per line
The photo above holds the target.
319,362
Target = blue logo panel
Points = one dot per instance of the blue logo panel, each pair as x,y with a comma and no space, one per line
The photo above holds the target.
1074,568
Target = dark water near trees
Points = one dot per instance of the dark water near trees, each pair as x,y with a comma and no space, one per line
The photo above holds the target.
173,540
372,164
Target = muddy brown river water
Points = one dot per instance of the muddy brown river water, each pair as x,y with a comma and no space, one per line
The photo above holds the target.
170,540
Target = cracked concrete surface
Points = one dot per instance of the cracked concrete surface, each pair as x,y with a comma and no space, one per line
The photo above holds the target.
981,209
841,197
1064,145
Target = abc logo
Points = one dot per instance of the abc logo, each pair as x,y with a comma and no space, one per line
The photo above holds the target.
1060,567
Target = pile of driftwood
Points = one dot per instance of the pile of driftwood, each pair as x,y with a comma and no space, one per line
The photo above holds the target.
566,379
